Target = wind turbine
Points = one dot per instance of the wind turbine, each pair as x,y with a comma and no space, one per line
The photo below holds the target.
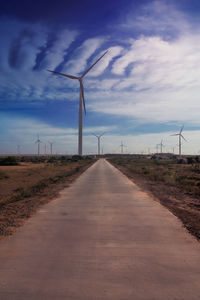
18,149
161,146
38,142
51,146
179,138
81,99
99,137
122,147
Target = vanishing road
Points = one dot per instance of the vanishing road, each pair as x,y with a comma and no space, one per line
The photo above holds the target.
102,239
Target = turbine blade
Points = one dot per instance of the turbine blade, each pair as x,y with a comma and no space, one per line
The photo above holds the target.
102,133
174,134
181,128
66,75
82,95
183,137
93,64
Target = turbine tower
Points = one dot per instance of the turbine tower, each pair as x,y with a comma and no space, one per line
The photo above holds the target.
51,146
81,99
99,137
179,139
122,147
38,142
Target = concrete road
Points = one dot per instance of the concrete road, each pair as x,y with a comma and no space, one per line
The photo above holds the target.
103,238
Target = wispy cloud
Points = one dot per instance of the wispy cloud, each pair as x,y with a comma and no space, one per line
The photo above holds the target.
158,17
78,62
54,55
106,60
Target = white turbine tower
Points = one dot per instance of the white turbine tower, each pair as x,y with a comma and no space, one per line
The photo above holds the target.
81,99
179,138
38,142
99,137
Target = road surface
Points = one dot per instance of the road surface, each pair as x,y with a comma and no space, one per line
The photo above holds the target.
103,238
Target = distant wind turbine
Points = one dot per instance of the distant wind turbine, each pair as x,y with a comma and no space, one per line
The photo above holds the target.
122,147
38,142
81,99
18,149
99,137
161,146
51,146
179,138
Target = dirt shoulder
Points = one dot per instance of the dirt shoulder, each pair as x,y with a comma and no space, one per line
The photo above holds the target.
182,205
24,189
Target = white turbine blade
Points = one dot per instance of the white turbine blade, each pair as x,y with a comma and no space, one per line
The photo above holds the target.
102,133
181,129
82,95
95,135
183,137
174,134
66,75
93,65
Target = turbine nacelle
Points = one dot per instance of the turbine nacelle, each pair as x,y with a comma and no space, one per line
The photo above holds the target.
80,79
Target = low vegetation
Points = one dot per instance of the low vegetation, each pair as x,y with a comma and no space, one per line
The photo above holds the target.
8,161
175,182
32,182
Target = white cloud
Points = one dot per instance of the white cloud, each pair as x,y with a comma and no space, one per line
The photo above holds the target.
79,61
106,60
55,53
159,17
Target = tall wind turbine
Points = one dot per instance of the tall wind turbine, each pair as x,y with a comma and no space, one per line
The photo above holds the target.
38,142
81,99
179,138
99,137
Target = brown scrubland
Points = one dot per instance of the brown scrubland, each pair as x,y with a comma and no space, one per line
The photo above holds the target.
174,182
27,183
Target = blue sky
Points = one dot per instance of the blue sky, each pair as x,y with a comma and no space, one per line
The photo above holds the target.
142,91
